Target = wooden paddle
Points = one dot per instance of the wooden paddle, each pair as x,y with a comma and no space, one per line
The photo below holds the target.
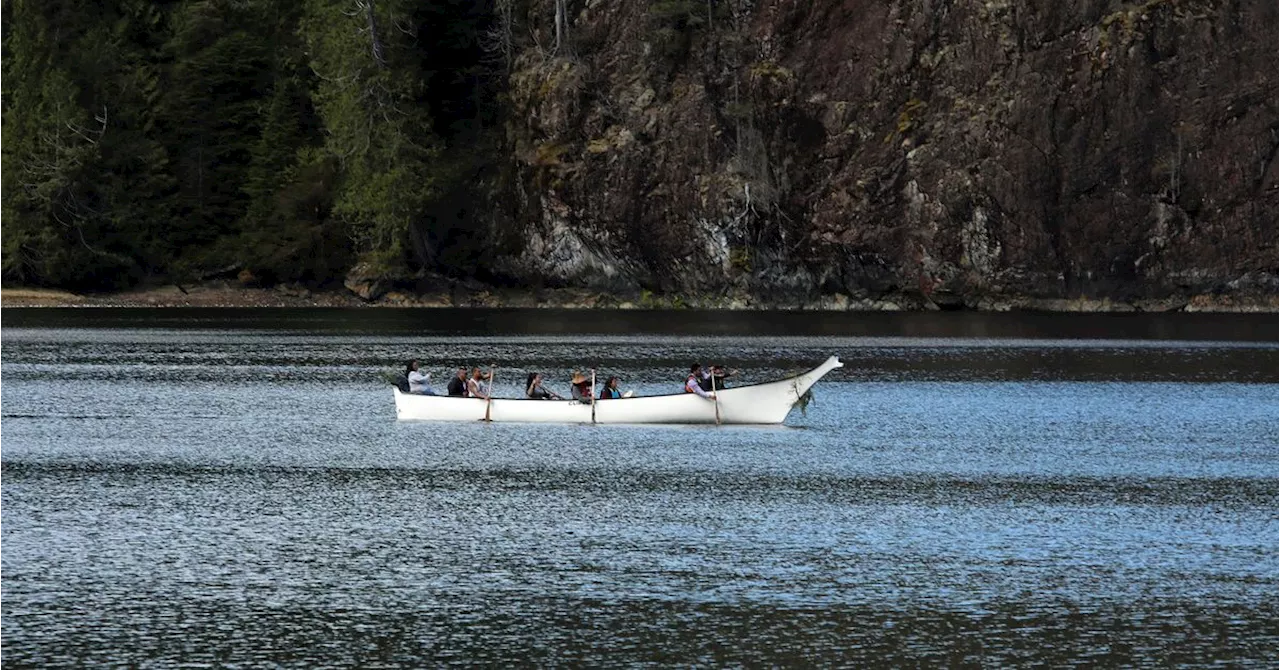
715,397
488,405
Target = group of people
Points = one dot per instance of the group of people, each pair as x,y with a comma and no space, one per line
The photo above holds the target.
463,384
579,388
476,384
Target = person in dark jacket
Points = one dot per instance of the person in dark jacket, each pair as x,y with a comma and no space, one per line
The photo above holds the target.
717,372
458,385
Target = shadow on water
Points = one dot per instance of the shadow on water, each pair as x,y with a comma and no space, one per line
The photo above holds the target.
471,321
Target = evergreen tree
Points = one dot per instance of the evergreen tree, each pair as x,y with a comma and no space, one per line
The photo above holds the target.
170,141
211,117
370,97
289,234
123,60
59,228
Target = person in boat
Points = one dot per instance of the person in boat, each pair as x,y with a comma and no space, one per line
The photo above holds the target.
533,388
610,390
419,381
580,387
458,385
475,385
718,374
693,383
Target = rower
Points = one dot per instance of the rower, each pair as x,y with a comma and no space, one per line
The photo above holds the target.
476,387
533,388
693,384
580,387
718,373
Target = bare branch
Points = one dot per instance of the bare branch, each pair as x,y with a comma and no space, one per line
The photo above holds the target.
406,28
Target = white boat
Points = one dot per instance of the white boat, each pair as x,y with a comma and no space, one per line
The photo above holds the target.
765,403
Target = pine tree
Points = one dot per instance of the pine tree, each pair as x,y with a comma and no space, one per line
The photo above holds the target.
378,127
56,230
210,117
158,142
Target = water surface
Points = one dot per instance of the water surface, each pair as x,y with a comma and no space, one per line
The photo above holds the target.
232,488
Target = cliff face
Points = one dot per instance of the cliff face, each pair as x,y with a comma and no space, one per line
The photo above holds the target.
922,153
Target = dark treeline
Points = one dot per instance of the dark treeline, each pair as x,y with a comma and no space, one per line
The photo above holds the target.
282,140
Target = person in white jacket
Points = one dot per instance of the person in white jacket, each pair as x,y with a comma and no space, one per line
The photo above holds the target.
419,381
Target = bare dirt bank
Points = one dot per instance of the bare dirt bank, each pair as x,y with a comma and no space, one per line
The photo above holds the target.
172,296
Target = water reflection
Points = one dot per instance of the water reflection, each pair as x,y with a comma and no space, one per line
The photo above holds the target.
179,356
393,321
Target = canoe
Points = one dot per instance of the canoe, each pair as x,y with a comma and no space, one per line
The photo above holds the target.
766,403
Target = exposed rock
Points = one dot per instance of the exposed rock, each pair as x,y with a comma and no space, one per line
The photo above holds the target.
978,155
367,282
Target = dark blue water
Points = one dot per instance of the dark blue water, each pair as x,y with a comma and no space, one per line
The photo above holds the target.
195,487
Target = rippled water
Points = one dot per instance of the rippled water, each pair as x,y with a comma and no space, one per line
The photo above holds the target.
231,488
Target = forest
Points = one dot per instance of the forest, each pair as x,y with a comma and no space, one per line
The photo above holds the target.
276,140
875,154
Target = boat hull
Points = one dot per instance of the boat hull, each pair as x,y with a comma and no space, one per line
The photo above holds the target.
767,403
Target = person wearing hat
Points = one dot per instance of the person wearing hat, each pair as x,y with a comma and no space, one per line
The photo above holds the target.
580,387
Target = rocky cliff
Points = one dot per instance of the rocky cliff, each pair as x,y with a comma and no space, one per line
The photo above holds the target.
878,153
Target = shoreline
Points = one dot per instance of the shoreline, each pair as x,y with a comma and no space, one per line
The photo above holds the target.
231,296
